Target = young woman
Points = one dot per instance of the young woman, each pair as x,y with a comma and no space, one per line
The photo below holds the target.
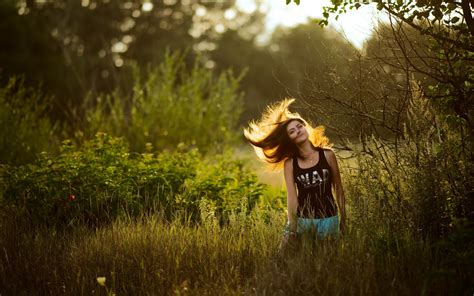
284,139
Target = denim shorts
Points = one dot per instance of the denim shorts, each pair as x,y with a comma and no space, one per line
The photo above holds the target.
322,227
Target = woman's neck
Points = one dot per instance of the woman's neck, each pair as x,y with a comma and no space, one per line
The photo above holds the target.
305,149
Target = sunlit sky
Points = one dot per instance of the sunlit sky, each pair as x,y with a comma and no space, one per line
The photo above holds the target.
355,25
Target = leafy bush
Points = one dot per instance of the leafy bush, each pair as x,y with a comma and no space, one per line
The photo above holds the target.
226,185
171,105
101,180
25,129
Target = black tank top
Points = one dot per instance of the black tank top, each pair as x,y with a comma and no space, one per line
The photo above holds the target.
315,199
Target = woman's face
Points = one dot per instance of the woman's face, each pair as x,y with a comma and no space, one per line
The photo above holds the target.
297,131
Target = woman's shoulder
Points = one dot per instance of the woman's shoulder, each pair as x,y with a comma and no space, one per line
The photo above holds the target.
327,150
329,154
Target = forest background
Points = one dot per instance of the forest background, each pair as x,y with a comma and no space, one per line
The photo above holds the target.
124,168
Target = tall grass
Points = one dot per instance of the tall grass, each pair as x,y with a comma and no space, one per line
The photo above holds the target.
149,256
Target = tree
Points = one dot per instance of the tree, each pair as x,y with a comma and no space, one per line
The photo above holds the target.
332,79
449,27
80,47
311,62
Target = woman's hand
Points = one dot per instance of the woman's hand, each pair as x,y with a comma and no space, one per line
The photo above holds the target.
342,226
288,238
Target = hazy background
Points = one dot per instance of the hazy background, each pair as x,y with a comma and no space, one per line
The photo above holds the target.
85,48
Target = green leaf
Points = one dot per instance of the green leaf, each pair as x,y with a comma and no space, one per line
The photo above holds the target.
297,2
437,14
323,23
451,6
420,3
288,2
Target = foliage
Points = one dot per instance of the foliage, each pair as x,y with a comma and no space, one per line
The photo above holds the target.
442,18
171,105
309,58
234,189
77,47
340,88
449,26
246,56
101,180
418,187
24,126
417,181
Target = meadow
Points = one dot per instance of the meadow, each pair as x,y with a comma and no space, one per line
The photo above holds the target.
154,256
141,199
179,249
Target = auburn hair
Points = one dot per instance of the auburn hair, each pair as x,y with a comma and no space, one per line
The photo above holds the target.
269,136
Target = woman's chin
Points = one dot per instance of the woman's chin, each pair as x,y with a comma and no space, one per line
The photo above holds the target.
300,140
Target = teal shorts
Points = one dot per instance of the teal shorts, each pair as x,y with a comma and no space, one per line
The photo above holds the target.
322,227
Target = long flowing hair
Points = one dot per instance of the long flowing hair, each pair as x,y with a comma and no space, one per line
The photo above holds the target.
269,136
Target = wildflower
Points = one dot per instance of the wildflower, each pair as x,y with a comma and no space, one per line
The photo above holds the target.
101,280
71,197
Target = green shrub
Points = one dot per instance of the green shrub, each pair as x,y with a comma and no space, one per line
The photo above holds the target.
170,105
226,185
101,180
24,126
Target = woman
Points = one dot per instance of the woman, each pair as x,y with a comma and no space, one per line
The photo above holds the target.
284,139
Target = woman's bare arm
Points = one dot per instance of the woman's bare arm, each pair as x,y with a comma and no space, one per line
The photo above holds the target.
337,183
292,200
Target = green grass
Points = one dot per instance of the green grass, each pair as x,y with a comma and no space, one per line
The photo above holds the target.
151,256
